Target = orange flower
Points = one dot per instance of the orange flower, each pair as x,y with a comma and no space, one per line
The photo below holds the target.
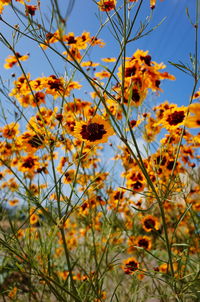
13,202
32,100
143,241
73,54
89,64
150,223
31,141
114,109
97,130
95,41
139,75
116,200
196,95
102,296
152,3
151,129
174,117
80,42
102,74
10,131
70,39
83,40
130,265
163,268
3,3
12,60
63,275
193,121
34,218
28,164
51,38
106,5
69,176
135,180
30,9
12,293
20,233
108,60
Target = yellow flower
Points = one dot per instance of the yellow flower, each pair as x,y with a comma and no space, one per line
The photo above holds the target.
30,9
12,60
3,3
197,94
102,74
106,5
108,60
10,131
69,176
143,241
174,117
13,202
34,218
28,163
130,265
97,130
31,141
193,121
150,223
12,293
89,64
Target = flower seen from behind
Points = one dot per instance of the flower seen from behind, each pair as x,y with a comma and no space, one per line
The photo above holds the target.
12,60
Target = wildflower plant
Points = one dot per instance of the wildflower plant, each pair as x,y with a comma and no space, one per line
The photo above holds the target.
87,214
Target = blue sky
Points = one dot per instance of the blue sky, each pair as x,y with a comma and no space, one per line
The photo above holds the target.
173,40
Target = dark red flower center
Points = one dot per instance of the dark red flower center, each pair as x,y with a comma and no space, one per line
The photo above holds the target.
68,176
137,185
29,163
176,118
135,95
55,83
146,59
93,132
71,40
130,71
160,160
36,141
143,243
133,123
108,5
149,223
10,132
30,9
132,265
39,96
170,165
17,54
118,195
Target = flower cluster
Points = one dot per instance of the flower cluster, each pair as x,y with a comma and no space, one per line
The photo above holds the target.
139,75
99,191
